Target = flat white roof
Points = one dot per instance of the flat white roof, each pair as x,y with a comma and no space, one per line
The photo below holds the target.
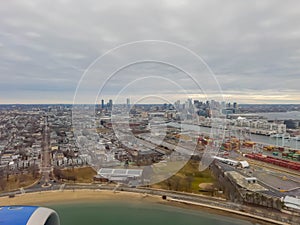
109,172
292,202
244,163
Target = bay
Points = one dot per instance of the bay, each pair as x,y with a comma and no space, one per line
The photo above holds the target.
125,213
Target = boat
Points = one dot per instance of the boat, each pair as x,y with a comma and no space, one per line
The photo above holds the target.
297,138
285,135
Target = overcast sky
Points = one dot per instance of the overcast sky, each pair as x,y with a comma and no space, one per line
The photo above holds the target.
252,47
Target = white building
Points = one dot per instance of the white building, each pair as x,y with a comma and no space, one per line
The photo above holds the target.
291,203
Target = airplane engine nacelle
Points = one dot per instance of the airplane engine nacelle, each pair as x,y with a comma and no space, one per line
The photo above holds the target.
28,215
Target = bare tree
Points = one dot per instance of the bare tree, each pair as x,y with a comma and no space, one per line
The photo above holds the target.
2,180
34,170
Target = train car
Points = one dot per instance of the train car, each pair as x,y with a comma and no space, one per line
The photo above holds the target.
275,161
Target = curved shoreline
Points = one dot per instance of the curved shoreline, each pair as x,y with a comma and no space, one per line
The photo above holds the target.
47,198
243,214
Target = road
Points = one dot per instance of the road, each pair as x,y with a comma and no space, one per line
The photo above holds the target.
46,160
204,200
280,181
152,142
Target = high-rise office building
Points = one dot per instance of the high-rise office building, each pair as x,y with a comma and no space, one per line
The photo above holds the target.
110,104
128,102
102,104
235,105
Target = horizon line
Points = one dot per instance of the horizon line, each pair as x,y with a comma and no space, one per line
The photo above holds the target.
1,104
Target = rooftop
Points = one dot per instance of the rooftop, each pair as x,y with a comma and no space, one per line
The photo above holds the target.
245,182
109,172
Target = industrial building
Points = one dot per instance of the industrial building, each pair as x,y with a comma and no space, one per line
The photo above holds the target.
132,177
291,203
242,164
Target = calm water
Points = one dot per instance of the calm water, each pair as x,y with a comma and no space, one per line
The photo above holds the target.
257,138
120,213
294,115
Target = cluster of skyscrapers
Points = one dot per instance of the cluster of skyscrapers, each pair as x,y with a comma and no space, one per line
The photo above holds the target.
108,105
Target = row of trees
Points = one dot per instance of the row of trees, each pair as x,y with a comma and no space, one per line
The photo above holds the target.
60,175
13,179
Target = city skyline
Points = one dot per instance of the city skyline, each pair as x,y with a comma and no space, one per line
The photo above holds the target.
189,110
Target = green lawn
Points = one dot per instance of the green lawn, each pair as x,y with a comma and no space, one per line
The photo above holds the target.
81,174
187,179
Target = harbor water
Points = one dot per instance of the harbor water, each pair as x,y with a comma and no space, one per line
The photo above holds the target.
292,115
267,140
122,213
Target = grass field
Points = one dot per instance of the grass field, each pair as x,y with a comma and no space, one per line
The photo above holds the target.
187,179
78,175
15,182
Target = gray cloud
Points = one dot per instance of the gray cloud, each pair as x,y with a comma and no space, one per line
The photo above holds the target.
252,46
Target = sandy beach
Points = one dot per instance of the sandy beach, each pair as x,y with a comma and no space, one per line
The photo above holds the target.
67,196
82,196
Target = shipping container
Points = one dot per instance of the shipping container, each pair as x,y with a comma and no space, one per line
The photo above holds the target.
296,157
